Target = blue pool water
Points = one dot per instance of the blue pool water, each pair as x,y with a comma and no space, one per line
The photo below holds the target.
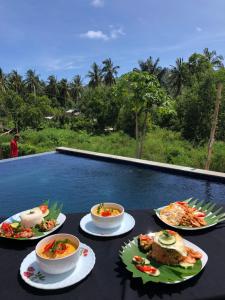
81,182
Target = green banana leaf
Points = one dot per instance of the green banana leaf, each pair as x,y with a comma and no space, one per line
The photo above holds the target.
54,211
213,213
168,274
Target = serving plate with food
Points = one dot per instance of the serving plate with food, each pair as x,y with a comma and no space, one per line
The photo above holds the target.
58,261
164,257
107,220
33,223
190,214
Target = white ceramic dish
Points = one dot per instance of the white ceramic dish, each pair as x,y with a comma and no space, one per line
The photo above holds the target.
109,222
89,227
60,220
35,277
204,258
58,265
157,211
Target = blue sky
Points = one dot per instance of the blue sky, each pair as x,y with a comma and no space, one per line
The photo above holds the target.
64,37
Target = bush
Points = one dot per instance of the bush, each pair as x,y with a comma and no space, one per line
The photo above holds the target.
24,149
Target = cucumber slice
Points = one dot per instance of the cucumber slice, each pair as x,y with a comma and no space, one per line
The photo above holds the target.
167,240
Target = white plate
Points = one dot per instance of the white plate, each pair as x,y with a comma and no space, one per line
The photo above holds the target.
181,227
204,258
60,220
88,226
34,276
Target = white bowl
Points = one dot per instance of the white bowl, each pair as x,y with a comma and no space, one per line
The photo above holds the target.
58,265
110,221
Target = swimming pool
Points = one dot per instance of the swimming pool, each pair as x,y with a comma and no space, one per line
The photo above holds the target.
80,182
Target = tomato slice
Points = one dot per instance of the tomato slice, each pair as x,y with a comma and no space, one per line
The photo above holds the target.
145,268
6,227
43,208
106,213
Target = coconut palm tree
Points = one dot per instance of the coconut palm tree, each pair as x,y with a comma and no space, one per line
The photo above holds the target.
152,67
52,87
109,71
215,60
16,82
95,75
76,88
3,81
177,76
63,92
32,82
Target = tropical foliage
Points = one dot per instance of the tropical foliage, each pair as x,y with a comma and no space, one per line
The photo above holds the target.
180,98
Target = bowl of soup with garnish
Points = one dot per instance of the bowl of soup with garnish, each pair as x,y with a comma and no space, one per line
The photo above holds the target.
107,215
58,253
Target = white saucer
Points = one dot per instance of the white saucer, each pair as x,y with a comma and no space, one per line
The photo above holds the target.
88,226
34,276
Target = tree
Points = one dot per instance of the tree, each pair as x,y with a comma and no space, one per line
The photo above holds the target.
109,71
16,82
76,88
142,92
63,92
220,79
32,82
52,87
177,76
3,81
152,67
215,60
95,75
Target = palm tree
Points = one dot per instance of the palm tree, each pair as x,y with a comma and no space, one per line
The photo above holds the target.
152,67
63,92
95,75
76,88
177,76
3,81
32,82
109,71
215,60
52,87
16,82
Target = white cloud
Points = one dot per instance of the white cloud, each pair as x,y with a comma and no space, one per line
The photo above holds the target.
199,29
95,35
97,3
66,63
114,33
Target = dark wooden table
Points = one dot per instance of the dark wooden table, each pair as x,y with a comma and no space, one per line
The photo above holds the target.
109,279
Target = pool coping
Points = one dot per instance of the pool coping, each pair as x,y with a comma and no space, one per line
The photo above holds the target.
25,156
169,168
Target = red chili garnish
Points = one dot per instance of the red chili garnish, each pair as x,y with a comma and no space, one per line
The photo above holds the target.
171,232
43,208
146,269
200,215
49,246
106,213
181,203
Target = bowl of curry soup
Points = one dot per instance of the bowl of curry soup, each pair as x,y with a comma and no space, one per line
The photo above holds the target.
107,215
58,253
